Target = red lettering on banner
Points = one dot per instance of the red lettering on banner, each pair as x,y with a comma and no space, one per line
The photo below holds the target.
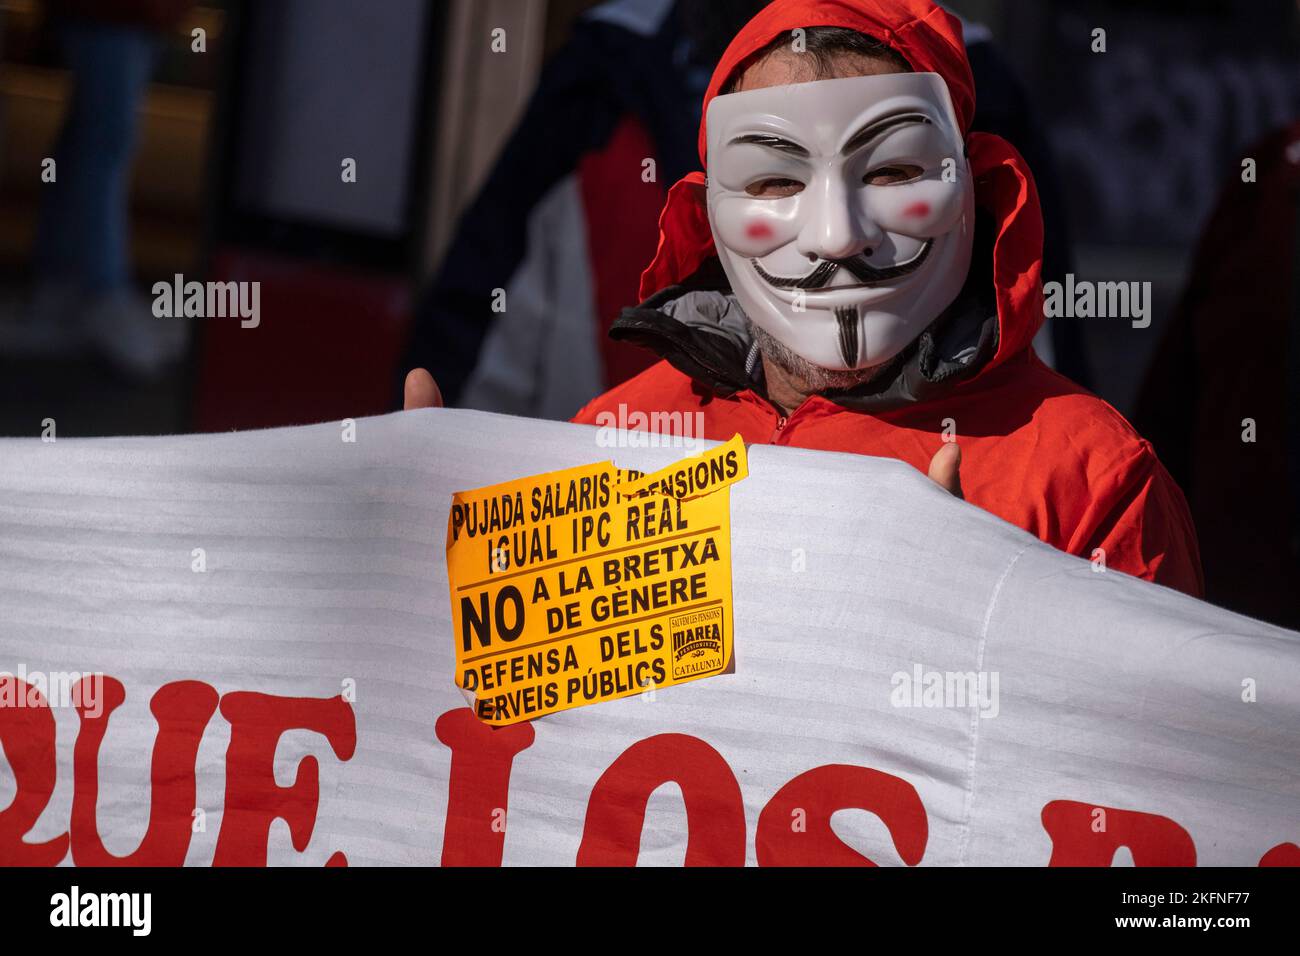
482,758
478,787
715,810
816,794
27,737
1284,854
253,799
182,710
1077,840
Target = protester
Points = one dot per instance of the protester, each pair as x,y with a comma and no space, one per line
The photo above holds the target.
1221,401
82,295
860,272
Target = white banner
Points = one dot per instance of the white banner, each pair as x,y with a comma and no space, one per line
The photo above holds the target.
237,649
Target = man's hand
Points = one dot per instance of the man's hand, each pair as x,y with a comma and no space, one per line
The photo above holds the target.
945,466
421,391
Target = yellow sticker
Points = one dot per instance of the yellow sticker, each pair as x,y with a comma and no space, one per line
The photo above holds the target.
592,583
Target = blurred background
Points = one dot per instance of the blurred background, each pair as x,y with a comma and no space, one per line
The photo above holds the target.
386,170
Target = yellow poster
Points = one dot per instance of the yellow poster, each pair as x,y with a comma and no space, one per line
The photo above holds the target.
592,583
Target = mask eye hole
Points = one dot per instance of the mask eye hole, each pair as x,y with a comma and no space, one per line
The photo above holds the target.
893,174
774,188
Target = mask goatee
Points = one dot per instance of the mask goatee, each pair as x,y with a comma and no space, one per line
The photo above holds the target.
847,317
813,377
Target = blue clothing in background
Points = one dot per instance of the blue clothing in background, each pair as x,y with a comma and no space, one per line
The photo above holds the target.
82,236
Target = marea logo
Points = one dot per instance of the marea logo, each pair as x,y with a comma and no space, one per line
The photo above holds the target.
696,642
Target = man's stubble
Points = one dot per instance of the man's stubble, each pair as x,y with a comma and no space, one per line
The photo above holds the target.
812,377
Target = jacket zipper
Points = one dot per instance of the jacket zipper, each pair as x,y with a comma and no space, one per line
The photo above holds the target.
780,426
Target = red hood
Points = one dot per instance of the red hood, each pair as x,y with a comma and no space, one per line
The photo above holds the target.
930,39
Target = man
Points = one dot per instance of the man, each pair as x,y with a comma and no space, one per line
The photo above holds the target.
83,296
859,272
1222,408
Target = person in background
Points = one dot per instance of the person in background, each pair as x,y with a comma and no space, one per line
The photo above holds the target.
82,294
1221,402
567,214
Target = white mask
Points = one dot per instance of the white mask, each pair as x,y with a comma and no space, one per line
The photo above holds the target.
861,232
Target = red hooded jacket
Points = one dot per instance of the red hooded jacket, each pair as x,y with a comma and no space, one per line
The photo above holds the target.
1037,450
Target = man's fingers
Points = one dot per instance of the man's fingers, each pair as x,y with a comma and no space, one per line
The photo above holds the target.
421,391
945,469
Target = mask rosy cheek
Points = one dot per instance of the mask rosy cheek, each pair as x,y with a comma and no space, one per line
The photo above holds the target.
930,214
752,234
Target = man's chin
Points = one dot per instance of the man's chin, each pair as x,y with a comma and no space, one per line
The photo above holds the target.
813,377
